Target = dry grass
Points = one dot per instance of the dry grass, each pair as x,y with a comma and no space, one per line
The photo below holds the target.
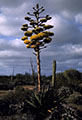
29,87
26,87
3,92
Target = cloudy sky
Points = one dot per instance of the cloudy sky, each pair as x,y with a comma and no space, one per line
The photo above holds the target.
66,47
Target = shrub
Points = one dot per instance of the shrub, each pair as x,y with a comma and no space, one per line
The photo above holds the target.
73,76
44,103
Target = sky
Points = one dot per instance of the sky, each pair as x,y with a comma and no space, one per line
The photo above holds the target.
65,48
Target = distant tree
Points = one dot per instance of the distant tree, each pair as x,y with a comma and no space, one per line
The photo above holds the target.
39,36
73,76
60,80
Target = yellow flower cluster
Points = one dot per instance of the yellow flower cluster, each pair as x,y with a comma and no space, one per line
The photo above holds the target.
28,33
28,46
41,35
36,37
47,40
39,29
24,28
48,33
27,41
33,46
43,20
48,26
38,43
25,25
23,38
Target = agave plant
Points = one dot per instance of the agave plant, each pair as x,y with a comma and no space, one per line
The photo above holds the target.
38,35
44,103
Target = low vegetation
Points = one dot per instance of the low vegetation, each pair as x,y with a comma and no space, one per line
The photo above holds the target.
64,102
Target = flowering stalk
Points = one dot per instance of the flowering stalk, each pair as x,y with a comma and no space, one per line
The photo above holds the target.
38,36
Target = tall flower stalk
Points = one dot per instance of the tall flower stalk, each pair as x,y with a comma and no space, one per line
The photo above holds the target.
38,36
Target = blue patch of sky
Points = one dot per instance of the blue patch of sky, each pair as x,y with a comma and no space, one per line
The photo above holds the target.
80,28
8,37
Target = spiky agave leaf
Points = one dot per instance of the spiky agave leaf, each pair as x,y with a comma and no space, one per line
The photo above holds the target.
31,104
38,99
34,101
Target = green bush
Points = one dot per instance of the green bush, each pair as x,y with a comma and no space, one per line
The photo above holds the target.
13,101
60,80
73,76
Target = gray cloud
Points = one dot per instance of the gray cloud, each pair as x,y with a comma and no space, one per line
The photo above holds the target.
14,4
66,46
64,5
